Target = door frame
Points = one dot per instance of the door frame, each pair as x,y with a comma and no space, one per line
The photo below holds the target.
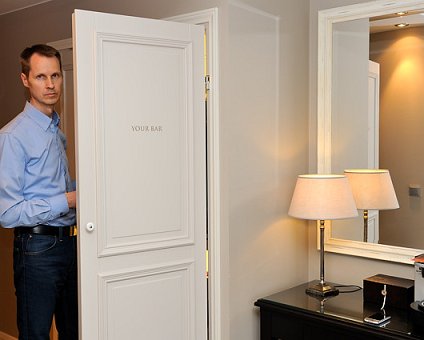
209,19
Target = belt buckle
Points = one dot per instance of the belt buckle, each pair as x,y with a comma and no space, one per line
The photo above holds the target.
73,230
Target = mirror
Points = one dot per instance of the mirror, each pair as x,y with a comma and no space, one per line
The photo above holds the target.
348,134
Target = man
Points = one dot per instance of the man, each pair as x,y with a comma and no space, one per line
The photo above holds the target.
37,200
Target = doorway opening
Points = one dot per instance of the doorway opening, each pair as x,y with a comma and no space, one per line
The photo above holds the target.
208,19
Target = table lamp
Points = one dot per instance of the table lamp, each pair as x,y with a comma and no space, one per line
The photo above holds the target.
322,197
372,189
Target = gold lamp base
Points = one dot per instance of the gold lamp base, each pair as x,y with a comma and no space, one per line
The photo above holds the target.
322,290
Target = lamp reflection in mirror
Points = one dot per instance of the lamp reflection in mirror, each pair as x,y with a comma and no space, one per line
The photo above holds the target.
372,190
322,197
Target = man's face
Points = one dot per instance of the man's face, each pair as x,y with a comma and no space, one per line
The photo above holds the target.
44,82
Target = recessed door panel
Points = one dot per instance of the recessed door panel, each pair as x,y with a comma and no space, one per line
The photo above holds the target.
161,293
153,120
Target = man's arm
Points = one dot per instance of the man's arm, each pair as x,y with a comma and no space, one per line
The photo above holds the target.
15,210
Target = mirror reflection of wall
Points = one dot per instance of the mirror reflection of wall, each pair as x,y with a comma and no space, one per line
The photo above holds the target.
349,147
399,122
400,54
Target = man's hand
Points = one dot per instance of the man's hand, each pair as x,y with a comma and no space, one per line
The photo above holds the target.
71,198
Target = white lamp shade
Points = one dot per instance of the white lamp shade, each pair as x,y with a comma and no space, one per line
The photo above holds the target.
322,197
372,189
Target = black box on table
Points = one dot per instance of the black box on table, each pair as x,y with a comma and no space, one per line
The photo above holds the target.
400,291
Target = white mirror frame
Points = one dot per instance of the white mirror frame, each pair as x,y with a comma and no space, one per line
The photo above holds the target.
326,19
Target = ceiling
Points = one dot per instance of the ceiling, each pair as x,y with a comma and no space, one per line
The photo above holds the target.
7,6
387,22
377,24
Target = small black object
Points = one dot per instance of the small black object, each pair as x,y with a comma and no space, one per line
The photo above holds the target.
417,317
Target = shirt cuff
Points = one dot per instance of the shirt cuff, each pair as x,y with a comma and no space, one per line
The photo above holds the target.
59,205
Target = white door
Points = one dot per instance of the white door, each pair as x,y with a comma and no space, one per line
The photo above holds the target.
140,128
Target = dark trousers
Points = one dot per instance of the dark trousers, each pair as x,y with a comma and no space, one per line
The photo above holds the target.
45,276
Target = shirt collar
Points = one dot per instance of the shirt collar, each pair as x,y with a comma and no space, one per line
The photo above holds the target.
40,118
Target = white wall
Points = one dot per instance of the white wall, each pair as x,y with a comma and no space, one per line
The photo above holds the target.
265,139
400,54
339,268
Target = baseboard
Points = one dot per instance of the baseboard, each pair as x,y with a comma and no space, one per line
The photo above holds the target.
4,336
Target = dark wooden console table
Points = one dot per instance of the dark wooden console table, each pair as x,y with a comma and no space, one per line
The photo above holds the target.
292,314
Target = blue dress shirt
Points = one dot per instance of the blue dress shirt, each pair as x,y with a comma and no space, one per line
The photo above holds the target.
34,174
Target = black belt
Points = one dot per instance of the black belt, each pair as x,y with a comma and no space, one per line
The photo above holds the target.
48,230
